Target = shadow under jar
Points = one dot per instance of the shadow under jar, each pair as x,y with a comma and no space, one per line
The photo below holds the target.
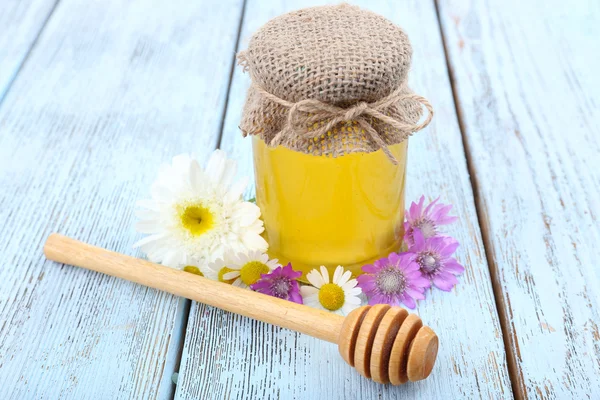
330,134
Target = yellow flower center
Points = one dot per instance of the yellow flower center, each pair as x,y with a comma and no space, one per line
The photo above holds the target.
250,272
331,296
196,219
222,272
193,270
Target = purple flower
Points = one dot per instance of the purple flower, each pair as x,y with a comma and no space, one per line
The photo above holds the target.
426,219
393,280
433,255
281,282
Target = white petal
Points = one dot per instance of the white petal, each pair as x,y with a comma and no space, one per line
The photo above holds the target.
196,177
249,255
315,278
308,291
339,271
236,260
239,283
181,163
350,284
148,226
230,275
353,292
346,278
216,166
256,227
149,239
313,301
226,260
348,308
237,189
156,254
161,193
147,214
217,250
209,273
229,171
352,300
253,241
172,259
245,214
325,274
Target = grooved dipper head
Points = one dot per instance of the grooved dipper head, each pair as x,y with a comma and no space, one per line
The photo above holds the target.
387,344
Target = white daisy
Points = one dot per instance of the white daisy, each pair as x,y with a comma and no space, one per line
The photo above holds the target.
246,268
196,215
216,269
340,296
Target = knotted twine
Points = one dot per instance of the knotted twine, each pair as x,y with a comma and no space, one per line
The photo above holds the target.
311,112
316,70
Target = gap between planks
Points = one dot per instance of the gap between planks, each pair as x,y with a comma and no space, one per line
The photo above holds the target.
19,67
516,377
231,72
183,323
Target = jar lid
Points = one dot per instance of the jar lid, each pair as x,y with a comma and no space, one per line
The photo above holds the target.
330,80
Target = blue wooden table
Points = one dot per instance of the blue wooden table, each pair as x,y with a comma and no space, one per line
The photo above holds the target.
94,95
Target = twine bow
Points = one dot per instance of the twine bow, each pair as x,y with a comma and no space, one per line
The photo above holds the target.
324,117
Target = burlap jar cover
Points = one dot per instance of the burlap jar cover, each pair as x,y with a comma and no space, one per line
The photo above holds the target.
331,81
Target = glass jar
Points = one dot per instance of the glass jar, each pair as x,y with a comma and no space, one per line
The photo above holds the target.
320,210
328,98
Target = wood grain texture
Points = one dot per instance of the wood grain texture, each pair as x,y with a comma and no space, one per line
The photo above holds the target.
21,22
310,321
366,339
111,89
233,357
526,79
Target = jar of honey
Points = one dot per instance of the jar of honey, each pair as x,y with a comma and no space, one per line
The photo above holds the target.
330,113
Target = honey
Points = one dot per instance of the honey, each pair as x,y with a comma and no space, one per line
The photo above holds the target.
322,210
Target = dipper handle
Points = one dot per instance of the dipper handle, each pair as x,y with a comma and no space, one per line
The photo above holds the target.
383,343
317,323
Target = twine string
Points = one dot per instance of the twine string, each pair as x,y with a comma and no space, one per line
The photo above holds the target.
323,117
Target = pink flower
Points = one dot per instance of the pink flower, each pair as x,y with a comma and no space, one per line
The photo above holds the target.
281,283
427,220
393,280
433,255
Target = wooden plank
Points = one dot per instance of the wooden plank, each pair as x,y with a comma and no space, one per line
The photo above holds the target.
21,23
229,356
111,90
526,79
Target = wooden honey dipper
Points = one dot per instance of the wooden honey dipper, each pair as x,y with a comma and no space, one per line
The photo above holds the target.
386,344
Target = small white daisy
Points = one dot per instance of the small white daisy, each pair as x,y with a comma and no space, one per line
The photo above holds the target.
198,268
246,268
192,269
217,269
196,215
340,296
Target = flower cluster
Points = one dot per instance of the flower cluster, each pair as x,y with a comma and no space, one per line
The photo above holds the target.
197,221
402,278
